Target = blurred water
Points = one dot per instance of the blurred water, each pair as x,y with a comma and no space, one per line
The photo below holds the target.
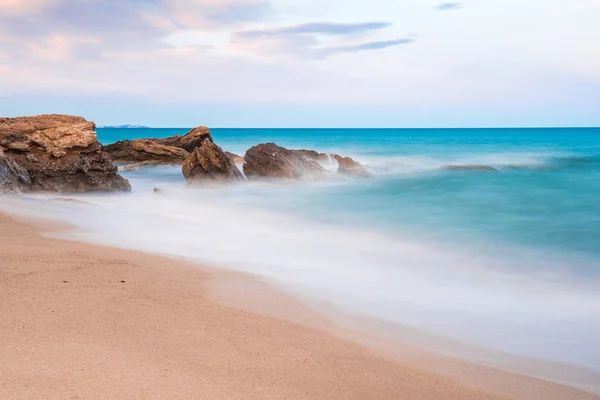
506,259
546,194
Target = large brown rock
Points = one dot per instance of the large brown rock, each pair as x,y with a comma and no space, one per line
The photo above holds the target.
347,166
208,163
147,151
190,141
61,153
268,160
172,150
13,177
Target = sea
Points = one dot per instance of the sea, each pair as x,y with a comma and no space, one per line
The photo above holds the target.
506,259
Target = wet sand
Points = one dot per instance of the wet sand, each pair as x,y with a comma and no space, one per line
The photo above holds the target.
79,321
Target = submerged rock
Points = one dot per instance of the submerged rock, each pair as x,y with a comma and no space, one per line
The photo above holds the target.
209,163
479,167
271,161
188,142
130,167
349,167
13,177
147,151
70,200
61,153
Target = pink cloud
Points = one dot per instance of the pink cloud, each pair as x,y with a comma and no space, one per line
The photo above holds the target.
24,6
214,14
57,47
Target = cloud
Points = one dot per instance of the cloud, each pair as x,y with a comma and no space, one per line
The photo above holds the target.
22,7
325,28
448,6
215,14
314,40
377,45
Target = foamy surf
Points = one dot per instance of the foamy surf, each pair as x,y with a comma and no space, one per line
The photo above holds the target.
511,299
505,260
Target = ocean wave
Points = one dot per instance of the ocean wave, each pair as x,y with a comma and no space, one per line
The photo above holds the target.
416,164
493,297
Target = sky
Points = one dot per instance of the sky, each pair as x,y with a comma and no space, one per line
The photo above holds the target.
303,63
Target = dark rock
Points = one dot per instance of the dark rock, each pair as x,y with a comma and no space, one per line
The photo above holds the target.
190,141
61,153
147,151
271,161
32,158
70,200
313,155
131,167
234,157
172,150
13,177
209,163
467,167
348,166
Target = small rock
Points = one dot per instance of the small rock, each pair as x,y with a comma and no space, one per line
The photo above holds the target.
130,167
269,160
70,200
348,166
209,163
234,157
313,155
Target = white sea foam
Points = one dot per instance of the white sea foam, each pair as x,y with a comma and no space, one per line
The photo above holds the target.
415,164
459,290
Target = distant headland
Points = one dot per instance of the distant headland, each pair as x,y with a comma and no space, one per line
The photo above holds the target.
124,126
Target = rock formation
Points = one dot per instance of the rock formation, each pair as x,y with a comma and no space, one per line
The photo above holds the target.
349,167
172,150
13,177
271,161
234,157
313,155
188,142
146,151
61,153
209,163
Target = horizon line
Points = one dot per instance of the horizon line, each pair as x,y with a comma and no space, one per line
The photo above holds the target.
136,126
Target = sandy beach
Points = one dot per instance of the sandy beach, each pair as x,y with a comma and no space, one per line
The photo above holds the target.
79,321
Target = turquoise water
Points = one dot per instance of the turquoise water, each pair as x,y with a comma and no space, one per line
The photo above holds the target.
506,259
546,194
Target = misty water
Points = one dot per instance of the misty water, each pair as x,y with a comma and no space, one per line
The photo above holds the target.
506,259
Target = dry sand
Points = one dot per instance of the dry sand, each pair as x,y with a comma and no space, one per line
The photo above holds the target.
79,321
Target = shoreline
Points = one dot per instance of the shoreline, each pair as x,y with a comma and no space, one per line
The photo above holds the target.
234,302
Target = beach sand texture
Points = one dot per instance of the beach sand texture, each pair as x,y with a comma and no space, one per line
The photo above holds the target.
79,321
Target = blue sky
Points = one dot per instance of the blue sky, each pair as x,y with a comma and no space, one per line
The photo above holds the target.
303,63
